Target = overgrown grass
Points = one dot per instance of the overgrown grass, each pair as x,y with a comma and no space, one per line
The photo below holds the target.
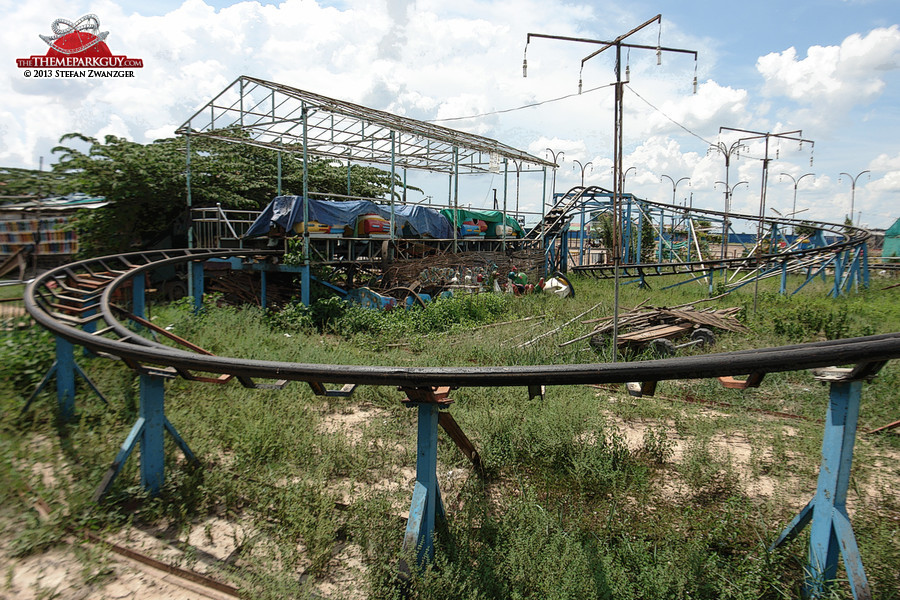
587,492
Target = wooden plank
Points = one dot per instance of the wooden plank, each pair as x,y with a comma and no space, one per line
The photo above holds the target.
652,333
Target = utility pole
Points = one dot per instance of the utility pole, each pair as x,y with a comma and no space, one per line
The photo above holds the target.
618,173
758,135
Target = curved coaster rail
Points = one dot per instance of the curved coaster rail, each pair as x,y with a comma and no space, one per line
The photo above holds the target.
75,302
826,246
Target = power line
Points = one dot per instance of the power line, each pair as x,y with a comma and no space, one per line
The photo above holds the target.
648,103
507,110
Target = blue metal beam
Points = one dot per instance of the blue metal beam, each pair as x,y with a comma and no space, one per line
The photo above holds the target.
197,284
149,430
830,530
426,502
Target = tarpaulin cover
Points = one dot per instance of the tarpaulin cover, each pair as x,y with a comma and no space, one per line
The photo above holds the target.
488,216
285,211
892,240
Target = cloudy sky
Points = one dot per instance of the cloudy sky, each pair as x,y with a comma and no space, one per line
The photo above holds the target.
830,68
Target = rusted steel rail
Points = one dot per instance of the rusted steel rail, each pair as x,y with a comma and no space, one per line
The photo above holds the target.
43,301
75,302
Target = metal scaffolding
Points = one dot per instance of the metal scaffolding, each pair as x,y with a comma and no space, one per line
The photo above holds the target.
271,115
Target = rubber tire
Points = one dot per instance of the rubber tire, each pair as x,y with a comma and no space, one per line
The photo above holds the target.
707,337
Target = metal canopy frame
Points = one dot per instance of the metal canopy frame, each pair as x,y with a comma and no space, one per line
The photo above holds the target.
262,113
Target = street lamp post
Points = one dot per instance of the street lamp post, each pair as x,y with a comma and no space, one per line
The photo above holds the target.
796,183
625,175
674,184
558,157
853,190
727,151
674,187
583,167
729,193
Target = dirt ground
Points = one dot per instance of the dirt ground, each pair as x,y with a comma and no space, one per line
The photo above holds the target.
79,569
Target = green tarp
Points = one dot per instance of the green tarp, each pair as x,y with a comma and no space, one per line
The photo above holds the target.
488,216
892,240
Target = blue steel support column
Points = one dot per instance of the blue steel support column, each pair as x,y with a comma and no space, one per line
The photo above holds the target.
838,274
662,224
581,239
544,212
627,245
783,290
197,284
65,378
90,326
393,177
865,266
639,251
304,273
262,288
830,531
152,436
149,430
187,176
426,501
505,181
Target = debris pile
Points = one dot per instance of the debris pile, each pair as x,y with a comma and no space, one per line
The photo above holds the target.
643,325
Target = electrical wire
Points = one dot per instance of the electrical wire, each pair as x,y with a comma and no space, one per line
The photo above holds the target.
532,105
588,91
648,103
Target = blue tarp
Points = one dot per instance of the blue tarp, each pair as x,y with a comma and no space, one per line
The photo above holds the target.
285,211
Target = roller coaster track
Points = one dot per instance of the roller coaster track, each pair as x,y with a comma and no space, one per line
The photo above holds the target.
757,263
75,302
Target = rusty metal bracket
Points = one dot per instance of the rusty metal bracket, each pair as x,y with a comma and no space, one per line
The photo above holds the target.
865,371
427,395
459,437
319,389
753,380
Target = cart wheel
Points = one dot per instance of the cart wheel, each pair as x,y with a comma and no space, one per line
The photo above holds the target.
706,337
661,347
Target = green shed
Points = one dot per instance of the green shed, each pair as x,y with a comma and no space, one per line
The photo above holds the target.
892,241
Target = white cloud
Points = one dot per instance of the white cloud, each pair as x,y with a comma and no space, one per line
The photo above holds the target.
429,59
834,77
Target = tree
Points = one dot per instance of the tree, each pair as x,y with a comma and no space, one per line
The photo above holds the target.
145,184
29,183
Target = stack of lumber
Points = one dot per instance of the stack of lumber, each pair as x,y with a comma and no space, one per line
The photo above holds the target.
722,318
642,317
